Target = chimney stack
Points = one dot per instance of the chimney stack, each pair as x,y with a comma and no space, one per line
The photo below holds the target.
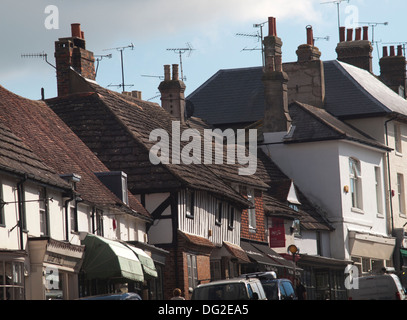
308,52
358,51
172,93
393,69
276,116
71,53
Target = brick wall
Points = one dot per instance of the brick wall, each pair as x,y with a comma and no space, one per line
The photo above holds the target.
260,232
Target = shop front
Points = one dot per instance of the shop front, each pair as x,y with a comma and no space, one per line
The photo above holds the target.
12,273
53,269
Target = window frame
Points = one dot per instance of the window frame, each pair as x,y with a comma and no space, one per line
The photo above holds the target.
401,193
355,178
251,212
43,211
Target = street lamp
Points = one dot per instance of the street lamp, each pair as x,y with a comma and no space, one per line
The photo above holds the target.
294,250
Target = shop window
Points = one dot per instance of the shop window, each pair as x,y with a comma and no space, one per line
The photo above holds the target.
11,280
215,270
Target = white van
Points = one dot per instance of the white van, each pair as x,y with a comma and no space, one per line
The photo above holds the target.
230,289
377,287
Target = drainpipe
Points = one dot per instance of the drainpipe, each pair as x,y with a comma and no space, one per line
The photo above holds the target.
388,174
20,197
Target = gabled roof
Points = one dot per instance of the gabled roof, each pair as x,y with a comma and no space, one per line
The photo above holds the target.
17,158
118,127
57,146
315,124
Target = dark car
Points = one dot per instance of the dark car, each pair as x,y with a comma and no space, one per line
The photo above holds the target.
275,289
115,296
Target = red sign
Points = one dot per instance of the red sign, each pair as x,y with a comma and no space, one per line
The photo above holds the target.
277,234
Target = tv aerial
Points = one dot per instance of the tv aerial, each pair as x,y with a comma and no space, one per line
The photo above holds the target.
38,55
374,25
258,35
121,49
338,3
181,51
100,58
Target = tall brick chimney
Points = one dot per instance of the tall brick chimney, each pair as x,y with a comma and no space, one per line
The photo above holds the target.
71,52
393,69
358,51
172,93
308,51
276,116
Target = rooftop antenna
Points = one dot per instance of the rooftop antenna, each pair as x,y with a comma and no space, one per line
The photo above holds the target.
121,49
181,51
327,38
100,58
38,55
374,25
338,3
259,37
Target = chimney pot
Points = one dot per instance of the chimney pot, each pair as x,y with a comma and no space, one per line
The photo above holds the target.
392,51
167,72
385,52
358,35
400,50
342,31
310,36
83,35
272,27
76,30
175,75
366,33
349,35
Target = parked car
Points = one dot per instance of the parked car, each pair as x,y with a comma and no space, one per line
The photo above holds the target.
114,296
377,287
230,289
275,289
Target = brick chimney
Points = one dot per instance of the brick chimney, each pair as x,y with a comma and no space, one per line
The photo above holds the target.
393,69
172,93
276,116
71,52
307,77
358,51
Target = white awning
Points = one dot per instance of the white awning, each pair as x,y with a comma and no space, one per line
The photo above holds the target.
371,246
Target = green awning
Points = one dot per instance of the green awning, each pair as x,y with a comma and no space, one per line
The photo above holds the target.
146,261
403,253
109,259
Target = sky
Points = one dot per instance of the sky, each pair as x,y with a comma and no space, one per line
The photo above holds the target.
220,35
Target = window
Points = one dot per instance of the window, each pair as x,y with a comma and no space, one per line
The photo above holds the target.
219,209
190,203
400,193
98,222
379,196
397,138
42,199
355,183
11,280
251,211
296,228
231,218
192,271
215,270
74,219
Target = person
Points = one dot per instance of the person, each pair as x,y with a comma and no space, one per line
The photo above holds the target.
177,295
301,291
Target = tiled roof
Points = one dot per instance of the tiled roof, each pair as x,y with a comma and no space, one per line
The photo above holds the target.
17,158
117,127
57,146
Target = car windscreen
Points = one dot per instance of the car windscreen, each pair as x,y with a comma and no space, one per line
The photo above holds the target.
229,291
271,290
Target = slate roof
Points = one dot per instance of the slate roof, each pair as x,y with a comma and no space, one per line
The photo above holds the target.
117,127
57,146
17,158
315,124
351,92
